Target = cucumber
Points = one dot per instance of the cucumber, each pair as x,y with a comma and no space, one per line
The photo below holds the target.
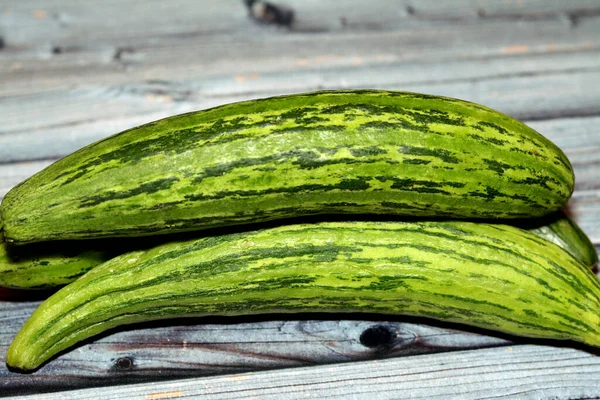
336,152
491,276
564,232
46,265
50,264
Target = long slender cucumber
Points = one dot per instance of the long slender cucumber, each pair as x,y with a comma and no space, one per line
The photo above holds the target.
47,265
486,275
564,232
336,152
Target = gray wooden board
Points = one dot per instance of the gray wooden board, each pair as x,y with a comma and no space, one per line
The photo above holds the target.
72,118
171,349
73,72
515,372
184,39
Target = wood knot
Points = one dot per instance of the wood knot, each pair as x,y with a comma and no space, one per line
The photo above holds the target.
377,336
270,13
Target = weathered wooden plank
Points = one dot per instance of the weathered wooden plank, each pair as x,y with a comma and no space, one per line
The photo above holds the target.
519,372
246,60
511,9
179,349
45,44
52,124
40,21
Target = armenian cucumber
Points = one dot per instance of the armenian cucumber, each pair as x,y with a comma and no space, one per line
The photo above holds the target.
333,152
48,265
564,232
492,276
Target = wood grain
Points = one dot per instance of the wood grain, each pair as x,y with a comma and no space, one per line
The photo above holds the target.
115,43
74,118
517,372
175,349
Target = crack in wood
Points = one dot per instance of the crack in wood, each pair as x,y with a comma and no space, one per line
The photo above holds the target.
121,52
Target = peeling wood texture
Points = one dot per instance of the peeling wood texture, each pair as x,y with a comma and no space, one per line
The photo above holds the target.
72,73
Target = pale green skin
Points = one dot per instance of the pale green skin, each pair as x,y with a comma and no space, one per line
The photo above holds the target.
491,276
338,152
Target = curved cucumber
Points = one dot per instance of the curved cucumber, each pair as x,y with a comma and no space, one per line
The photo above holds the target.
45,266
486,275
41,266
564,232
337,152
50,264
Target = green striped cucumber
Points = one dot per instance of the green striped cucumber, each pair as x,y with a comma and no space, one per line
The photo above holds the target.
336,152
46,265
564,232
487,275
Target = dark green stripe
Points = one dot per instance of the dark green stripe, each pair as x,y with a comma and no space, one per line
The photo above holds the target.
444,155
144,188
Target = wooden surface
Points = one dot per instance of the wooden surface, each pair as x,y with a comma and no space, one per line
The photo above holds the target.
75,72
522,372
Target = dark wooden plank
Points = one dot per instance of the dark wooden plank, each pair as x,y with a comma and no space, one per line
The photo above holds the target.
519,372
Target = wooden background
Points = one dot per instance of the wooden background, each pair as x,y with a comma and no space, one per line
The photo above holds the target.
75,72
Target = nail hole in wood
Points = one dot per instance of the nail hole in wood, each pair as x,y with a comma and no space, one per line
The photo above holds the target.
377,336
124,363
